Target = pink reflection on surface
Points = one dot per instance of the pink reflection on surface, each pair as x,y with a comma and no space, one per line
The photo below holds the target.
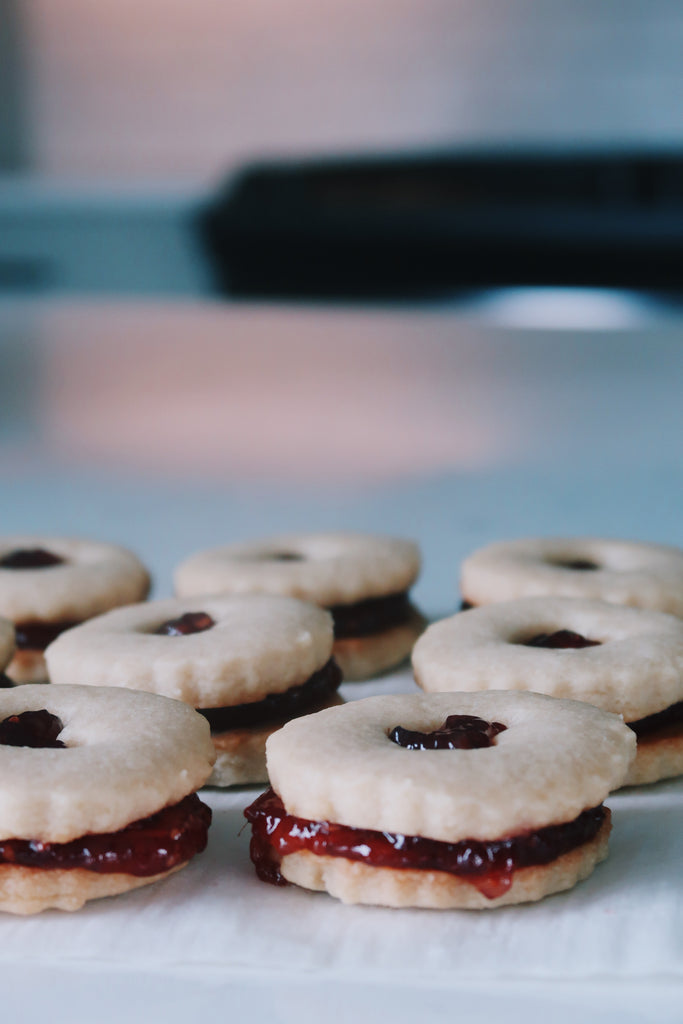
212,391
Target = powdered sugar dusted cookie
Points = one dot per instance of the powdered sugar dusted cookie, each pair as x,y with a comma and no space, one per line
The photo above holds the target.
625,660
361,579
97,793
440,800
247,662
49,584
620,572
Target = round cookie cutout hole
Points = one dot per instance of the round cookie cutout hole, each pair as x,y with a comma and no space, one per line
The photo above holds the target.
186,625
575,564
561,639
36,729
458,732
30,558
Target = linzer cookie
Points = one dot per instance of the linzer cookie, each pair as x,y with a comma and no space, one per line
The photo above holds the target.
441,800
625,660
50,584
97,793
247,663
362,580
620,572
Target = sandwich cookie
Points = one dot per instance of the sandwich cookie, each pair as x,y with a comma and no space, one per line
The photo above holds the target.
247,663
624,660
620,572
97,793
49,584
362,580
440,800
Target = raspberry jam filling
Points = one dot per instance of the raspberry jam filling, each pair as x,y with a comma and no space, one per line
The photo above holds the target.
36,636
364,618
563,638
30,558
190,622
669,718
146,847
489,866
459,732
293,703
31,729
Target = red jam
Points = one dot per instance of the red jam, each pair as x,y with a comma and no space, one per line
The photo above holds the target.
30,558
31,729
36,636
297,701
146,847
563,638
459,732
487,865
190,622
669,718
364,618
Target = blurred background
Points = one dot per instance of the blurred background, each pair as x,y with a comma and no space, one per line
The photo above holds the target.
266,264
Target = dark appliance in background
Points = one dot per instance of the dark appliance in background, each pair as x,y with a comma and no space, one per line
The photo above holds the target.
424,226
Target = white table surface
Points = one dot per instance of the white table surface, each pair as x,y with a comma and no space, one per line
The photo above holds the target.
462,435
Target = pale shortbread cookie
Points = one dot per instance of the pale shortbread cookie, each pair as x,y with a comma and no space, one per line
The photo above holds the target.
6,643
31,890
94,578
365,656
659,756
636,671
554,760
127,756
259,645
334,568
631,573
355,882
241,753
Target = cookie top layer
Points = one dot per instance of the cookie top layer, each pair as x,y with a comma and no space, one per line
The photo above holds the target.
554,760
259,645
6,643
636,670
127,755
93,578
621,572
325,568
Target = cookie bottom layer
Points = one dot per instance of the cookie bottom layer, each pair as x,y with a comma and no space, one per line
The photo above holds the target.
659,755
27,667
355,882
31,890
366,656
241,753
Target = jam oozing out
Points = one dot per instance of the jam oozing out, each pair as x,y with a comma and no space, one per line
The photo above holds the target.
31,729
487,865
146,847
296,701
36,636
372,616
671,716
185,625
458,732
563,638
30,558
